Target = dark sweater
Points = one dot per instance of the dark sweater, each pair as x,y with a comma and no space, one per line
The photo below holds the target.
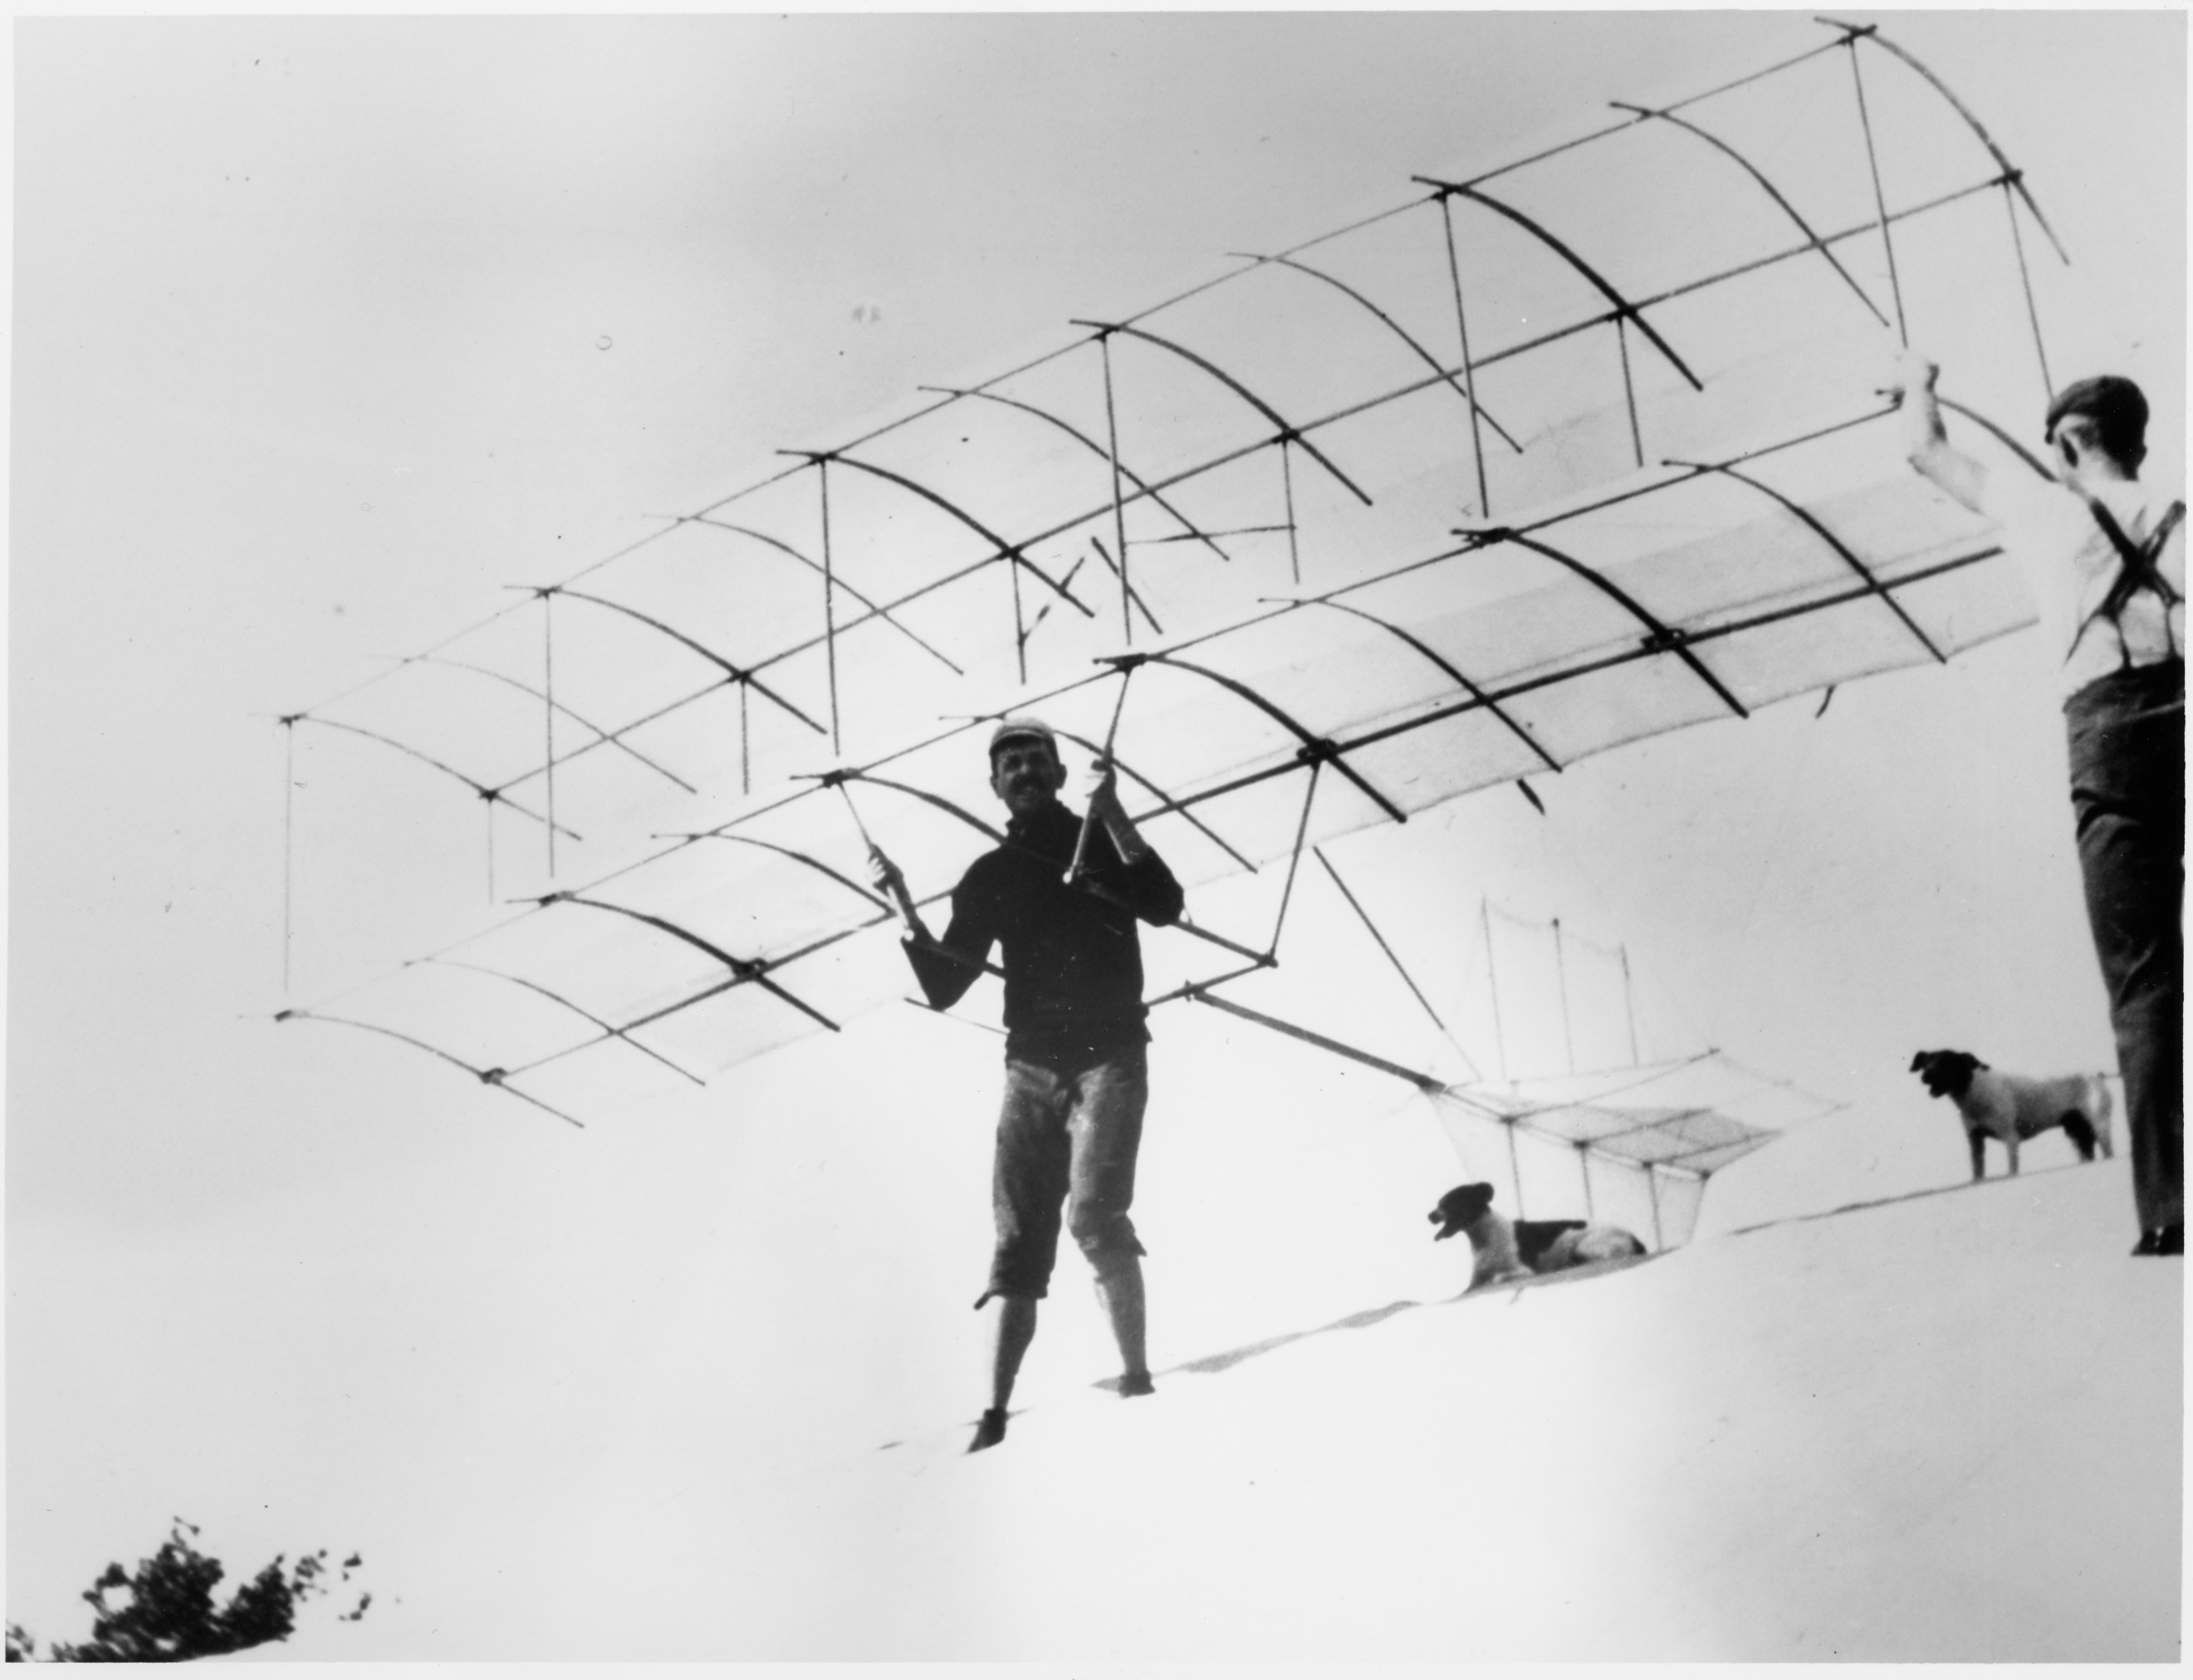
1072,962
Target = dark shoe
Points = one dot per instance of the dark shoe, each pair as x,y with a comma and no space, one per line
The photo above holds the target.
1135,1383
990,1432
2170,1239
2148,1240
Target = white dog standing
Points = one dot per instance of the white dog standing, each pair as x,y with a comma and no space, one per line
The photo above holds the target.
2011,1108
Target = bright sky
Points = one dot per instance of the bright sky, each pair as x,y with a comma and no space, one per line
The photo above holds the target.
327,331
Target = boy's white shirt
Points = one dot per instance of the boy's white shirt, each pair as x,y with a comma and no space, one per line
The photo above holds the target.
2069,563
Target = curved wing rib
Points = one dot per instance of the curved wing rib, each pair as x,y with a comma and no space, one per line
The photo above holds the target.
1624,307
731,673
1133,775
1659,638
1005,550
580,1010
498,1077
1454,673
1812,238
875,611
1287,432
1190,530
1430,360
542,694
743,968
2001,436
1805,516
814,864
1315,748
2015,175
492,795
926,798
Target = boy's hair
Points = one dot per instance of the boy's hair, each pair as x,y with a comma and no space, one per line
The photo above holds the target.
2112,410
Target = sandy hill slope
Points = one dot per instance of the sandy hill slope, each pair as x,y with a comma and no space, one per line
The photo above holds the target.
1944,1427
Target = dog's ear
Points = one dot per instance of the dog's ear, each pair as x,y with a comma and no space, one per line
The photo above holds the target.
1920,1060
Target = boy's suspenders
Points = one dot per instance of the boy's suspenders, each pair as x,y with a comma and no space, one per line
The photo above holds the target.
2137,570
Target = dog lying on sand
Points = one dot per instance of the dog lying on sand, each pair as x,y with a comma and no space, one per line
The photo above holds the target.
2011,1109
1507,1248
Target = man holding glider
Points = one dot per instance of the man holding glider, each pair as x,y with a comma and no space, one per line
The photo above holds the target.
2105,556
1061,896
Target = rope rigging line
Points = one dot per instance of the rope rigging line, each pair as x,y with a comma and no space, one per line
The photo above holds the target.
1755,75
1880,203
288,838
1469,367
1561,973
1493,985
1130,594
829,601
548,713
1119,508
1630,393
1415,991
2025,280
1294,859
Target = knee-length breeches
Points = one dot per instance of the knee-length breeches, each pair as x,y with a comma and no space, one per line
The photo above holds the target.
1066,1155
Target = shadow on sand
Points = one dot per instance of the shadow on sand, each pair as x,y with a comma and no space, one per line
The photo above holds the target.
1212,1362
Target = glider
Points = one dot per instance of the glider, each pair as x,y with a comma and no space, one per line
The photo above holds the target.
1550,453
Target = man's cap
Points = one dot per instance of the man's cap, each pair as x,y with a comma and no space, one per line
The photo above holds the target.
1460,1208
2117,407
1023,729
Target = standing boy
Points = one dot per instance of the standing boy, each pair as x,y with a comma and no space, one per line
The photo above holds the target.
2105,556
1061,896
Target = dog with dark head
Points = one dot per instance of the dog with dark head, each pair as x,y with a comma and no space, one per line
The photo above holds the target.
1507,1249
2011,1109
